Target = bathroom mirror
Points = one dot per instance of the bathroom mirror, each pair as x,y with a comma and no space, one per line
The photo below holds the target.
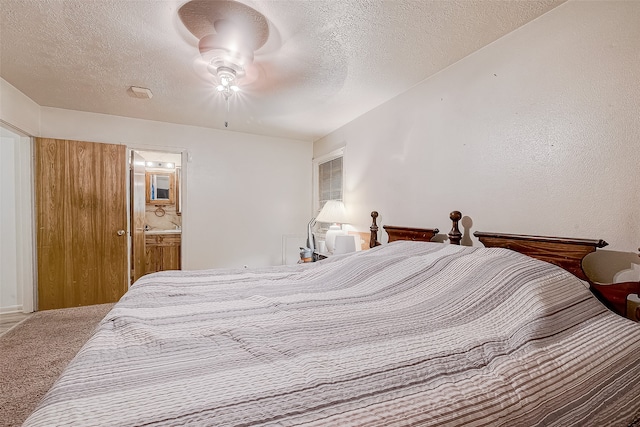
161,188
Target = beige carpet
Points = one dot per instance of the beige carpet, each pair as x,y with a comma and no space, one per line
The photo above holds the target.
34,353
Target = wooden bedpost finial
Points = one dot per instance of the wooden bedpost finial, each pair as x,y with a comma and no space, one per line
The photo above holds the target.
373,241
455,235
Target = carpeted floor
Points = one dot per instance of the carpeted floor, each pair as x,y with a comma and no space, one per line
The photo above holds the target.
34,353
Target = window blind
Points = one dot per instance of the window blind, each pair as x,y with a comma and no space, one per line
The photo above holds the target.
330,180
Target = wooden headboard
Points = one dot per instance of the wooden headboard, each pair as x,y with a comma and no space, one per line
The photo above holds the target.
561,251
411,233
564,252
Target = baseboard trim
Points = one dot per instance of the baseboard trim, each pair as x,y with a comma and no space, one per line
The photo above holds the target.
11,309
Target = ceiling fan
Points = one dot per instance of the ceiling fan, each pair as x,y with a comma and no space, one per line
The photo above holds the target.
242,48
229,33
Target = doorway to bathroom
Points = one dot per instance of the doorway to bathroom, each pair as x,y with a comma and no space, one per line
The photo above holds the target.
157,191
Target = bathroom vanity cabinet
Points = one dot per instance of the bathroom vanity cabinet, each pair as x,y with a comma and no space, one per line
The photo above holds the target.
162,251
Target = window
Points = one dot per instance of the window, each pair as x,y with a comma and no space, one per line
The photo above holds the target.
330,180
328,177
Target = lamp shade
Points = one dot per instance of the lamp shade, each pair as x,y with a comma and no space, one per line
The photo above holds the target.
333,212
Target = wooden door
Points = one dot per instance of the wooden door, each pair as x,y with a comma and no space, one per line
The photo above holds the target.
81,217
138,206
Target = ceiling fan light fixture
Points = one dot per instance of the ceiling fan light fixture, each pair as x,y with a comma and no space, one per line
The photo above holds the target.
226,75
221,88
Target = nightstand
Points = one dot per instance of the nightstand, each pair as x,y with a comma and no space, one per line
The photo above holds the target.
633,307
317,256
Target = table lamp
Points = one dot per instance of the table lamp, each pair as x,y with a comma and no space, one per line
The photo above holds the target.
333,212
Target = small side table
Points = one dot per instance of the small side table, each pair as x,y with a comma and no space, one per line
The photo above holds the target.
318,256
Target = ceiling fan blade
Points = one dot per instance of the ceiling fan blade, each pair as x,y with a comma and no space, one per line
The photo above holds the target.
200,18
296,65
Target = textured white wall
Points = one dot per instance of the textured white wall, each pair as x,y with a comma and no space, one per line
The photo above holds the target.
535,134
244,192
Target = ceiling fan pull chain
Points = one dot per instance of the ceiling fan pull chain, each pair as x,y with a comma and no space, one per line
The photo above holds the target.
226,121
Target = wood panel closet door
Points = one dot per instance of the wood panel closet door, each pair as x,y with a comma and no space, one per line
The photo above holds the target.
81,223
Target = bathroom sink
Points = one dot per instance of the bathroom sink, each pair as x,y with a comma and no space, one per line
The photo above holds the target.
163,231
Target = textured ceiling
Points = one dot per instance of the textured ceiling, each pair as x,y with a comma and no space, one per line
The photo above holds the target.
325,62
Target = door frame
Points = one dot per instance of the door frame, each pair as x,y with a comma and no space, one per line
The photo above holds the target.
25,207
29,270
185,158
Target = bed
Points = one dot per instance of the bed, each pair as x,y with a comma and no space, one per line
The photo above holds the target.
407,333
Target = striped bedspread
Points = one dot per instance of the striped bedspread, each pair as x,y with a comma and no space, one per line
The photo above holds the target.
410,333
